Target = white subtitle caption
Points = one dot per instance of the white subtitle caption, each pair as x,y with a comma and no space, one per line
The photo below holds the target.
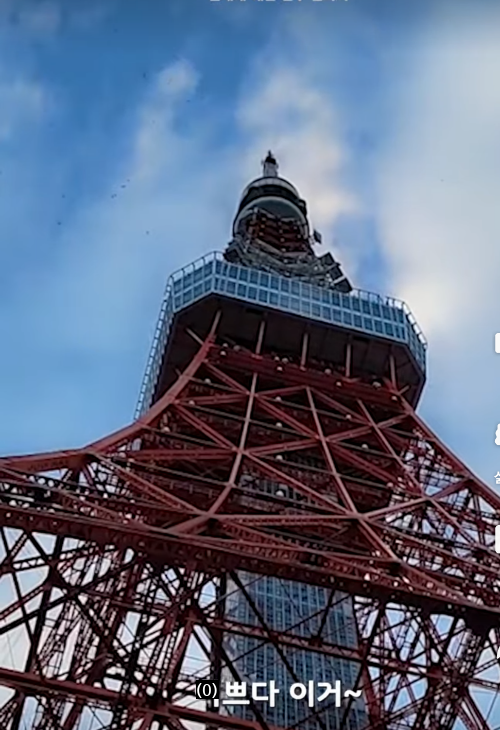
241,693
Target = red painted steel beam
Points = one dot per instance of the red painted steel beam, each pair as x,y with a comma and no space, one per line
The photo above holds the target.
213,555
33,684
365,437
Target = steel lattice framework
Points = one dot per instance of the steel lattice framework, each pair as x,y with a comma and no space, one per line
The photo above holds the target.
114,554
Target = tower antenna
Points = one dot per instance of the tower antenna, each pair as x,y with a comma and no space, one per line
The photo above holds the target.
270,166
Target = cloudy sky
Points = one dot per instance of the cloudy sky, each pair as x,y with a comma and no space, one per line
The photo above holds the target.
127,131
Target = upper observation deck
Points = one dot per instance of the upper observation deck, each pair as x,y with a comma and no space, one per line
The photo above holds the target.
375,327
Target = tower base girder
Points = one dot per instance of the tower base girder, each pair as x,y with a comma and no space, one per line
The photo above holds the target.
114,554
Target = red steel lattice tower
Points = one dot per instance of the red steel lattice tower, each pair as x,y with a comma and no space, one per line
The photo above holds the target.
276,441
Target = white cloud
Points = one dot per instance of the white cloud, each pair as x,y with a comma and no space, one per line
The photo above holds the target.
154,217
177,79
89,15
40,18
439,184
440,218
157,146
94,298
44,19
21,101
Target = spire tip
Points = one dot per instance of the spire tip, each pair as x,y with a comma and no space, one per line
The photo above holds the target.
270,166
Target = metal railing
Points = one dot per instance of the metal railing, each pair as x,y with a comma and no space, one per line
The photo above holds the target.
359,310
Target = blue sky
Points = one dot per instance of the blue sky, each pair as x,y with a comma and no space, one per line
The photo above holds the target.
127,131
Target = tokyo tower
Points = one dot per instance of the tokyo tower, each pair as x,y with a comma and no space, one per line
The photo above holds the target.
276,515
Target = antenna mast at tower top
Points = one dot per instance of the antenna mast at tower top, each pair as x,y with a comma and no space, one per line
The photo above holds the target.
270,166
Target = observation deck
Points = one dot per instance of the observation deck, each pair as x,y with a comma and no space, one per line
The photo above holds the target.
374,326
